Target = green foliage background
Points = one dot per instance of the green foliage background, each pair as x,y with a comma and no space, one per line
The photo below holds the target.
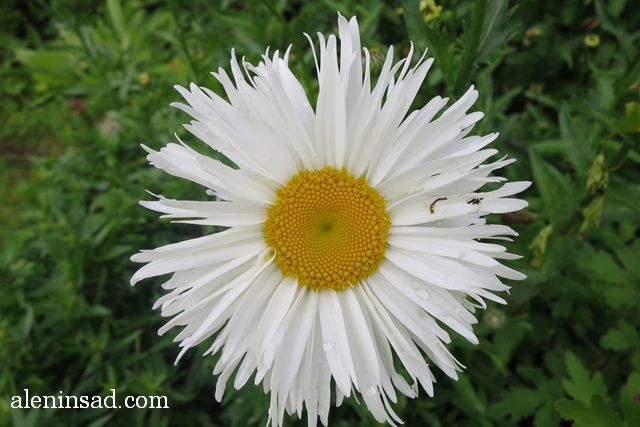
84,82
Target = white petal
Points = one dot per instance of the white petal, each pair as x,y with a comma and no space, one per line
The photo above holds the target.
335,340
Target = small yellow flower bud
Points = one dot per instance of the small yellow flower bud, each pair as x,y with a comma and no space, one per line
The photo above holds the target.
144,78
531,33
429,10
592,40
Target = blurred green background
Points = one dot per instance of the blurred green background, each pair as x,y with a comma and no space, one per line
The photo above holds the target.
84,82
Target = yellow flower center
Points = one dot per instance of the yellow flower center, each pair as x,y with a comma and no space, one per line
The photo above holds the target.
327,228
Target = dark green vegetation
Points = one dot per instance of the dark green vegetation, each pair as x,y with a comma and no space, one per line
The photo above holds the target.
84,82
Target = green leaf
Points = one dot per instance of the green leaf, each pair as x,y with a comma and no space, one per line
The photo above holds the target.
518,403
580,386
576,142
117,19
429,36
635,360
600,266
26,323
616,7
608,278
623,337
630,400
598,414
507,339
556,189
498,28
465,388
615,27
472,38
631,120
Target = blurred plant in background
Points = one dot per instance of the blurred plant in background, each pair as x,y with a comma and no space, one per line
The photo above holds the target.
84,83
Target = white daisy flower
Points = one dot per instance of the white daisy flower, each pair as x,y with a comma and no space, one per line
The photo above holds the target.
356,231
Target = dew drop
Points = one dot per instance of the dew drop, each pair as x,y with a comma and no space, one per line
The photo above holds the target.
372,390
327,346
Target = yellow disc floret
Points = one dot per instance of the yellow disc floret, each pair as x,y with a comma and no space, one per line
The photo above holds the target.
327,228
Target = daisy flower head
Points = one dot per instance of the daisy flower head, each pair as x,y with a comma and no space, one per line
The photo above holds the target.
355,238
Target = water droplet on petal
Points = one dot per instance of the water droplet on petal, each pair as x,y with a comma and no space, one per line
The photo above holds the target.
370,391
327,346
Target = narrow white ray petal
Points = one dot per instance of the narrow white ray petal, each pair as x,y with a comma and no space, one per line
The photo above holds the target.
446,250
239,331
195,258
290,353
350,61
363,351
404,347
239,285
186,163
432,300
417,178
422,208
199,283
330,108
420,326
270,346
227,214
335,341
313,368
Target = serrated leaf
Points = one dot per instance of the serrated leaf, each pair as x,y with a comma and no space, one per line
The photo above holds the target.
556,189
518,403
600,266
630,400
581,386
623,337
598,414
621,295
579,151
608,278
